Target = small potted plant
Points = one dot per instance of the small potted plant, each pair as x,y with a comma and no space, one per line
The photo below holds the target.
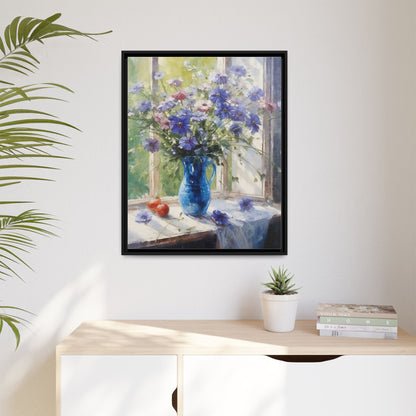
280,301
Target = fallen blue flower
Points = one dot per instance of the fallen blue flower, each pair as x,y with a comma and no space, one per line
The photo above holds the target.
143,217
220,218
246,204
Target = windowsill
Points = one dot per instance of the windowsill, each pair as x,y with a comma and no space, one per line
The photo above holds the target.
246,230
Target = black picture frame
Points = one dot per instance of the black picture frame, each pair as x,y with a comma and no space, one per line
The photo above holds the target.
209,244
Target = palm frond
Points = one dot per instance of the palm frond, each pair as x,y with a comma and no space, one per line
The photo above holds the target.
16,233
12,320
14,45
24,132
26,135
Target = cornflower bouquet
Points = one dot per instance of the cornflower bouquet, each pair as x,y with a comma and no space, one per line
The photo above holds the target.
219,111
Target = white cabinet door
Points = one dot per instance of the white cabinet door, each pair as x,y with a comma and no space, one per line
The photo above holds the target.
131,385
353,385
233,386
262,386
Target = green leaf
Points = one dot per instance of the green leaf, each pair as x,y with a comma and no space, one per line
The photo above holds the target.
11,68
15,330
280,281
2,46
44,23
19,58
22,27
15,202
13,30
7,37
38,121
11,64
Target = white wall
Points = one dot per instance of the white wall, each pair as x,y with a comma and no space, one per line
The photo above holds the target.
351,192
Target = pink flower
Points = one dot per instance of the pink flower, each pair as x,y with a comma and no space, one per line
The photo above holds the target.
267,105
180,95
158,117
165,124
204,106
175,82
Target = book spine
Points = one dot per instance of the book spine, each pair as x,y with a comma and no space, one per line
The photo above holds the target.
336,320
356,334
389,316
389,329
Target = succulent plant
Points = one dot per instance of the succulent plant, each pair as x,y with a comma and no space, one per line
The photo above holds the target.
281,282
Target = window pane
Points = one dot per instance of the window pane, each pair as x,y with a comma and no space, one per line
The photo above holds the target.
247,164
138,158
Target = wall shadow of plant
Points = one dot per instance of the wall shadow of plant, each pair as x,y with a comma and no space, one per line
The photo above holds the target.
28,385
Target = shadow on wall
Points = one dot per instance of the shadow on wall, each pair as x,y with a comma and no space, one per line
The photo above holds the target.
28,385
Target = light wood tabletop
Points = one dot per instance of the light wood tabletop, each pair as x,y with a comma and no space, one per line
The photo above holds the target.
205,337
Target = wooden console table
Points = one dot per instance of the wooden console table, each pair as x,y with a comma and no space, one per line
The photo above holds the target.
229,368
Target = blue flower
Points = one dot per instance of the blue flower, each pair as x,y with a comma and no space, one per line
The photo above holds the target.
187,143
198,116
246,204
151,145
180,124
219,95
136,88
238,70
185,112
144,106
220,218
236,129
143,217
220,78
255,94
238,113
166,105
158,75
253,122
222,111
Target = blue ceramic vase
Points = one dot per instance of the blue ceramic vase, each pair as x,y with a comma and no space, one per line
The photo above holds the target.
195,190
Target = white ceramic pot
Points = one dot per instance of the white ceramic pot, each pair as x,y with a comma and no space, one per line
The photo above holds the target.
279,311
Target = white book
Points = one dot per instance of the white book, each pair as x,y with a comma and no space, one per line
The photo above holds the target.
357,334
356,328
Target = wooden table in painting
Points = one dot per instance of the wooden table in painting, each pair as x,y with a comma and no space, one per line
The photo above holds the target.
250,229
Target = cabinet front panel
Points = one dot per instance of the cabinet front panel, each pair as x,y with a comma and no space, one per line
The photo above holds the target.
118,385
259,385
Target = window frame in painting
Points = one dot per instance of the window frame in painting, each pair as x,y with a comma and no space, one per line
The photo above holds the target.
267,191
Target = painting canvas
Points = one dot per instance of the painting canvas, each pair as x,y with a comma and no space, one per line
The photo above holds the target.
204,138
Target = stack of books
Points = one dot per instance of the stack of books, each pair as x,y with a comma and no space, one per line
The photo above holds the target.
357,321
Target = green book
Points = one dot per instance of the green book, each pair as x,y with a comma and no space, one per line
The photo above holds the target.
343,320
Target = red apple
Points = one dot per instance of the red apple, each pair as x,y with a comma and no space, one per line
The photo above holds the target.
153,203
162,210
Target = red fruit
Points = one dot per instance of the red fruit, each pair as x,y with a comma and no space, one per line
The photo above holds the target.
162,210
153,203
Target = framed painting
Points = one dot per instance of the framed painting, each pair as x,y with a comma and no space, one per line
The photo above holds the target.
204,152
